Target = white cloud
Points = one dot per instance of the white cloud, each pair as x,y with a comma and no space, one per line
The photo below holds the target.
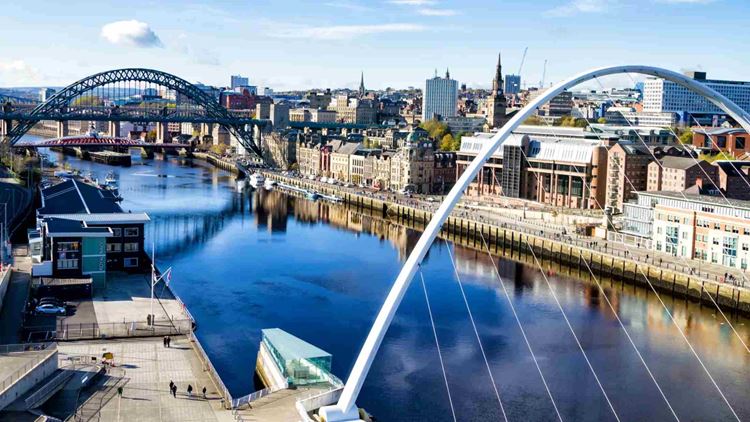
132,33
348,5
575,7
685,1
428,11
18,72
338,32
413,2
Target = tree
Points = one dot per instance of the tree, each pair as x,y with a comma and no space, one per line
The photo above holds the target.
602,120
87,100
534,121
686,137
219,149
447,143
151,135
436,129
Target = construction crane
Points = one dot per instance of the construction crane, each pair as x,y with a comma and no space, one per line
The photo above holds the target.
544,74
522,60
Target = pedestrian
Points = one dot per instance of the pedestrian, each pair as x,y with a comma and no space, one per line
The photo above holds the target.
171,385
174,391
164,341
190,390
204,391
169,341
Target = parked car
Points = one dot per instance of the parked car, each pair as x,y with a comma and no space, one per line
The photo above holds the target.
51,309
52,300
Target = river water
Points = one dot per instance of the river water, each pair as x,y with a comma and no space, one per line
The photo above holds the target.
253,260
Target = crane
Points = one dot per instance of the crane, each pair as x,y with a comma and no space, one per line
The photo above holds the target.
522,60
544,74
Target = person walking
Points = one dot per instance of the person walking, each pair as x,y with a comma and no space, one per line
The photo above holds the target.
190,390
174,391
204,391
171,385
164,341
169,341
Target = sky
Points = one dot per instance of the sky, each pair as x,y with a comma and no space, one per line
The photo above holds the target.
295,44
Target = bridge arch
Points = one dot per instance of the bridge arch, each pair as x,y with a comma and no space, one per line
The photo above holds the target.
345,409
56,105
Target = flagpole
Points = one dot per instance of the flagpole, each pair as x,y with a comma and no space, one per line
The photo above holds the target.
153,276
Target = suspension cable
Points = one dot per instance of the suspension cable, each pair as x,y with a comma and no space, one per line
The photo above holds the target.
476,332
437,343
520,327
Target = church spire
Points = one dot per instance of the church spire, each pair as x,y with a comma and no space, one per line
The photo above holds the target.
362,90
447,73
497,83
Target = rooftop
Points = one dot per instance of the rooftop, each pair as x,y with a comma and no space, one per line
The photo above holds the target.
680,163
57,227
291,347
75,197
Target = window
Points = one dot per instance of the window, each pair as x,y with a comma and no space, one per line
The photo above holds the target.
114,247
721,141
739,142
131,231
117,232
130,247
68,246
67,264
130,262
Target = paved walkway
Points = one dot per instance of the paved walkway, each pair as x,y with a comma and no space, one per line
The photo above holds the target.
150,366
11,314
279,406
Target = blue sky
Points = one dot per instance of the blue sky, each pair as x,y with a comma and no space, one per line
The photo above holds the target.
294,44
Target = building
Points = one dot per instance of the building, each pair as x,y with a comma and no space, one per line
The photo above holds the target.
557,171
561,105
84,233
495,105
443,172
381,168
730,140
353,110
280,148
660,95
278,114
700,227
462,124
650,135
631,117
440,98
239,81
627,172
734,179
512,84
675,174
412,166
45,94
341,153
312,115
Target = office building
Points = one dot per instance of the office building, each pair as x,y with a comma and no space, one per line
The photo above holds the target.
729,140
440,98
665,96
238,81
46,93
512,84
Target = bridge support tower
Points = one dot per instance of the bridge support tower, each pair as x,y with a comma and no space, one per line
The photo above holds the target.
162,132
62,129
113,129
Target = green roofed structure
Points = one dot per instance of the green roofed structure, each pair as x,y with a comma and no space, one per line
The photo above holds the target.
294,359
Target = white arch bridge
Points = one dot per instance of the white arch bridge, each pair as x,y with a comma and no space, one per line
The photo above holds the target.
345,409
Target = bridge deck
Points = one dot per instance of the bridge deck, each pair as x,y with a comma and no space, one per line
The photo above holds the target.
95,141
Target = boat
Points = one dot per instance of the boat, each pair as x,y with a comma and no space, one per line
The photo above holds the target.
256,179
312,195
110,179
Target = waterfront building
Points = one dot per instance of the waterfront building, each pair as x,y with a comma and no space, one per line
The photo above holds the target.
556,171
443,172
440,98
238,81
512,84
280,148
341,153
699,227
675,174
627,172
731,140
660,95
495,105
381,168
412,166
84,233
362,166
309,154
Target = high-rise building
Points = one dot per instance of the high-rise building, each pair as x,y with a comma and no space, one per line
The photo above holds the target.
440,97
238,81
512,84
496,102
46,93
660,95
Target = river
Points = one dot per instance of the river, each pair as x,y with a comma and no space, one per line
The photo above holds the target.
253,260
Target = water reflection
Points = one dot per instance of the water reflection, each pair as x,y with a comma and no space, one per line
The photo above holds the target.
250,260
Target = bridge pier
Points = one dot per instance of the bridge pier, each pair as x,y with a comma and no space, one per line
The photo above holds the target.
113,129
62,129
162,132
